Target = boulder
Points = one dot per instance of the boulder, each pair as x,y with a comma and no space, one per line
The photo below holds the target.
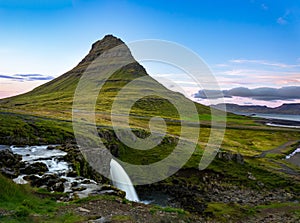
229,156
51,181
35,168
8,159
10,163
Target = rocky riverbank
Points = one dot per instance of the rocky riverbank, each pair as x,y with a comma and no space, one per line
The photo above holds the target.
51,168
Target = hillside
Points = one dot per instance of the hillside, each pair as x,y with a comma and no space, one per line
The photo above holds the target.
286,109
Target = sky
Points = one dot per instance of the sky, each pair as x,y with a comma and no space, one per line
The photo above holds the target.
246,43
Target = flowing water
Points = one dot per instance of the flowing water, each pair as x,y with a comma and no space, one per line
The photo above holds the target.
53,159
56,165
122,181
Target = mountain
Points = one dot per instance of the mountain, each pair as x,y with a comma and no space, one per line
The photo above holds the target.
287,109
55,98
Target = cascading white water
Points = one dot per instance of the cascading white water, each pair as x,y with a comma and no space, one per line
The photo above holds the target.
121,180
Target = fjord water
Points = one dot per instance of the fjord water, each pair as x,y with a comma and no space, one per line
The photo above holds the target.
278,116
122,181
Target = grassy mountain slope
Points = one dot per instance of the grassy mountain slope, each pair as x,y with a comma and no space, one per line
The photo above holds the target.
55,97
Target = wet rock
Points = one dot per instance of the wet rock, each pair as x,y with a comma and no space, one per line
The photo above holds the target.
81,188
10,163
111,190
9,172
58,187
9,159
35,168
51,181
72,174
81,166
51,147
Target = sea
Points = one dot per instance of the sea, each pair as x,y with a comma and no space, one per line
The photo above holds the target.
278,116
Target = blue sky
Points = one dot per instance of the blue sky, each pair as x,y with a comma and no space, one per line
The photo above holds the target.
248,43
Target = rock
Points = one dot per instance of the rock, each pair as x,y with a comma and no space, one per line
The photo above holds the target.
51,181
229,156
9,172
35,168
114,149
84,168
100,220
10,163
72,174
250,176
81,209
111,190
81,188
51,147
238,158
58,187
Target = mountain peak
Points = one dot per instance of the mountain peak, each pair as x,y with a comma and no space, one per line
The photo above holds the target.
108,42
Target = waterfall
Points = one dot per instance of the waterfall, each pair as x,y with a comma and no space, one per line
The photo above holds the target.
121,180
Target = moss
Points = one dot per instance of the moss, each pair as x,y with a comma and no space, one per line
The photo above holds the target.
156,208
121,218
225,212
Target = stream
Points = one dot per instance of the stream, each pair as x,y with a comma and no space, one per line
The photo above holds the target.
57,168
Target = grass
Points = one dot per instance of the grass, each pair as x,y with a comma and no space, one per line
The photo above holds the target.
156,208
222,212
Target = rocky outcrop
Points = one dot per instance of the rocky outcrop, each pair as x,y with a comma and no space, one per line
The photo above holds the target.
79,164
51,182
34,168
10,163
229,156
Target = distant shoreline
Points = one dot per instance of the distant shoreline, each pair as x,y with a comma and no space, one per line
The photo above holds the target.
276,122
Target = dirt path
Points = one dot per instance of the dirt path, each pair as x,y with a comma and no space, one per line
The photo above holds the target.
278,149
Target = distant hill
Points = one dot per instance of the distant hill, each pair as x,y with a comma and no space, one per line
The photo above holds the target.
288,109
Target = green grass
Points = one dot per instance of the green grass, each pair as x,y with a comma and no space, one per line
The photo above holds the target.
222,212
25,205
156,208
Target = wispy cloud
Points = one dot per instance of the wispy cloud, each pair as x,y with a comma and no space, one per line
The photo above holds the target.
283,20
264,7
26,77
264,62
249,72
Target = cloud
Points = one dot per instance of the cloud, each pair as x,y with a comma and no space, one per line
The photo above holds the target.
283,20
254,73
264,7
26,77
263,93
264,62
